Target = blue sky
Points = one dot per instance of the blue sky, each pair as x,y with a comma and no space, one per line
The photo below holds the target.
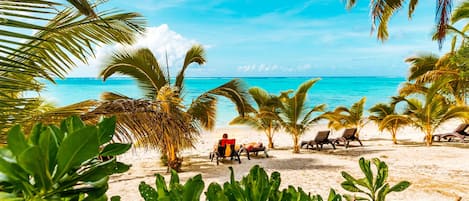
277,37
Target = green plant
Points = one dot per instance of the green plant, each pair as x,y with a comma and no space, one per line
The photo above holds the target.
295,115
375,187
60,163
265,118
344,117
258,186
191,190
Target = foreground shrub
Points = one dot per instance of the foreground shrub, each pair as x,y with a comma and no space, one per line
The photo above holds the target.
371,186
63,163
258,186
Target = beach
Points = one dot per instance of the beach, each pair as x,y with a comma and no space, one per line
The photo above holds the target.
437,173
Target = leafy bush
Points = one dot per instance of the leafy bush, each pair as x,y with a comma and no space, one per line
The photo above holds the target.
64,163
376,186
259,187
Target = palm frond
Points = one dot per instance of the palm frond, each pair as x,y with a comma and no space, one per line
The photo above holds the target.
54,115
410,88
204,110
394,120
443,14
412,5
194,55
421,64
143,122
139,64
460,13
249,121
111,96
235,91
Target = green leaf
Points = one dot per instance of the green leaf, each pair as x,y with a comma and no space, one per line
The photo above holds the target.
215,193
115,149
31,160
400,186
49,146
174,181
161,187
13,171
382,175
193,188
16,141
71,124
121,167
35,133
76,148
350,186
115,198
9,197
382,193
106,129
147,192
366,169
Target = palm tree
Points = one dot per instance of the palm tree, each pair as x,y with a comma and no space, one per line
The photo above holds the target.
343,117
427,109
382,111
63,34
382,11
294,115
426,69
143,66
265,118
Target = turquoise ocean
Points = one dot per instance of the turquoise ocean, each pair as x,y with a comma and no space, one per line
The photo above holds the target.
333,91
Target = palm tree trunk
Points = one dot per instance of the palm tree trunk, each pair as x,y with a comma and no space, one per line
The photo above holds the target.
428,137
394,132
173,161
296,146
394,140
270,137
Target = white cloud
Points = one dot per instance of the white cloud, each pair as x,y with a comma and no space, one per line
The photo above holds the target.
161,40
257,68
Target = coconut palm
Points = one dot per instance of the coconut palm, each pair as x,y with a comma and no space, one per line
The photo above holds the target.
343,117
62,34
265,118
296,118
429,68
382,11
381,111
427,109
143,66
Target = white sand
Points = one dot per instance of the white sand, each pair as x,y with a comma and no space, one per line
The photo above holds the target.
440,172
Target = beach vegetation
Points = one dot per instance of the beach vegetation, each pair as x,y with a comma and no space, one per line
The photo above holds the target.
382,11
344,117
72,161
374,187
44,41
426,107
295,116
265,118
426,69
154,81
381,111
257,185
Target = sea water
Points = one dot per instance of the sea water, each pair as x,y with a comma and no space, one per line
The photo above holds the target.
332,91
